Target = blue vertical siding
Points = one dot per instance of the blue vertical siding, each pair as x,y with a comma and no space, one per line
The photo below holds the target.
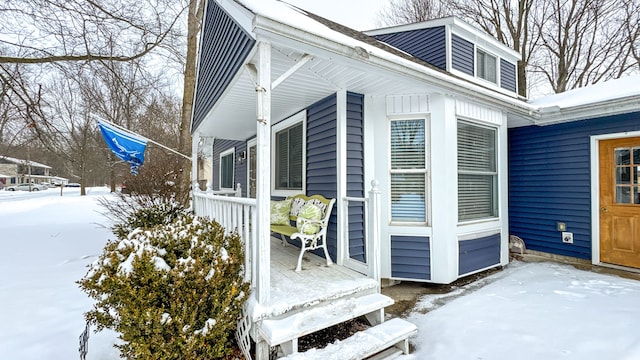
426,44
478,253
322,160
355,175
507,75
224,47
462,56
410,257
239,169
549,181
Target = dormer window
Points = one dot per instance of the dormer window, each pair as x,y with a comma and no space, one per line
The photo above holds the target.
486,66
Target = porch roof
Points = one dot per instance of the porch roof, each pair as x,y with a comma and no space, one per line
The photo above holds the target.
341,58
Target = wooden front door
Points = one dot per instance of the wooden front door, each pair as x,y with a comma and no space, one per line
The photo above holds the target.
620,201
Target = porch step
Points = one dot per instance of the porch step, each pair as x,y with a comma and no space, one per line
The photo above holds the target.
294,326
385,341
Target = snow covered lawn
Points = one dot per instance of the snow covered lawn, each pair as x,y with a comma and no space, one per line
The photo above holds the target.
528,311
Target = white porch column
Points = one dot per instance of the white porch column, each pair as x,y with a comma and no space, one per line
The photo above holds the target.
263,182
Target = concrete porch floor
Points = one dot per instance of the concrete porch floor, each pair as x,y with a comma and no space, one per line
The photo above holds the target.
316,283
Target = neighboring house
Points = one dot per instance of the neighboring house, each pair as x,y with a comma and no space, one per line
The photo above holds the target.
418,133
23,171
338,110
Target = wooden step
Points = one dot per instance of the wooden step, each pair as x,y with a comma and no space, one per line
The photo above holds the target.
291,327
383,341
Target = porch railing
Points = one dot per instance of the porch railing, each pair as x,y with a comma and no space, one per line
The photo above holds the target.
234,214
371,217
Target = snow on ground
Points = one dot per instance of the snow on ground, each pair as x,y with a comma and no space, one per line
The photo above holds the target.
533,311
528,311
46,242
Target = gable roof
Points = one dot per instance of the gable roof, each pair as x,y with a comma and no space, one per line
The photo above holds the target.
24,162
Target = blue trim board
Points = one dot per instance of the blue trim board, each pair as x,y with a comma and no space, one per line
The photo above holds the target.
550,181
478,254
410,257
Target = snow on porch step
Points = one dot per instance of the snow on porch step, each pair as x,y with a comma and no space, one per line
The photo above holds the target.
366,343
278,331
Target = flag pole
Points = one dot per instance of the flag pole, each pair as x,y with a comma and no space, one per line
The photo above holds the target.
144,137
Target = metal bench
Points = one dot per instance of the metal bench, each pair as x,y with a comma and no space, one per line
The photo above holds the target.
308,241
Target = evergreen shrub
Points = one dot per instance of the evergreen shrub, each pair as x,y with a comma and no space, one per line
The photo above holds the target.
172,290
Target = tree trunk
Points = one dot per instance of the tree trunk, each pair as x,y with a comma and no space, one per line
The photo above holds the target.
196,9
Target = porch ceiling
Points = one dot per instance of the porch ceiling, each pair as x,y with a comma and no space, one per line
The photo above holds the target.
234,117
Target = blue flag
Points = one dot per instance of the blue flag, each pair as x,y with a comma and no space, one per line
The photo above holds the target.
126,145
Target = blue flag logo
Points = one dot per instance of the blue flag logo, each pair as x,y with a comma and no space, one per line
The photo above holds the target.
126,145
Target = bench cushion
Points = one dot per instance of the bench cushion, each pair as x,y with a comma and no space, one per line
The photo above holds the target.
309,212
280,212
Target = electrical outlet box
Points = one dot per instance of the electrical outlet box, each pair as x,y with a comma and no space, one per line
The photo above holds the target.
567,237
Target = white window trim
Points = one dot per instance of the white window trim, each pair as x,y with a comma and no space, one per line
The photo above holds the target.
475,65
300,117
227,152
427,168
497,172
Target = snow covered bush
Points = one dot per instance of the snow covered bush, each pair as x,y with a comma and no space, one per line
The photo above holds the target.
171,291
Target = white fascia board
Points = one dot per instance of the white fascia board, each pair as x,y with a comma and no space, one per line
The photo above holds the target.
410,27
278,32
556,115
242,15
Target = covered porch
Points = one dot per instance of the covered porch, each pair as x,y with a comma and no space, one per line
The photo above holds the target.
295,303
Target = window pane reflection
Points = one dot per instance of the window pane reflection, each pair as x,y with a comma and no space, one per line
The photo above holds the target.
636,194
623,176
623,157
636,155
623,194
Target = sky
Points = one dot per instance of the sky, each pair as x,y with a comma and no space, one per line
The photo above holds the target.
527,311
357,14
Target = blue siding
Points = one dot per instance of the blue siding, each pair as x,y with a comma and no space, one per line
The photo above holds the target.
426,44
549,181
322,160
410,257
462,57
355,175
224,48
507,75
478,254
239,170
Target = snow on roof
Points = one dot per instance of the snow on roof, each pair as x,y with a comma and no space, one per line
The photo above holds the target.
25,162
365,45
592,94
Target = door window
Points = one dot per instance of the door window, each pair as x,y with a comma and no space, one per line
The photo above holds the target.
627,175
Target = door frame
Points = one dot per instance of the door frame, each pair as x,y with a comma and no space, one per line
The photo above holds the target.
595,193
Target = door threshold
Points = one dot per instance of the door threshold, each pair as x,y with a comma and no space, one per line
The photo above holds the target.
619,267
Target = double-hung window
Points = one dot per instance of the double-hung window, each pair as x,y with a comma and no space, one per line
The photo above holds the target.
408,171
227,161
288,157
477,172
486,66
